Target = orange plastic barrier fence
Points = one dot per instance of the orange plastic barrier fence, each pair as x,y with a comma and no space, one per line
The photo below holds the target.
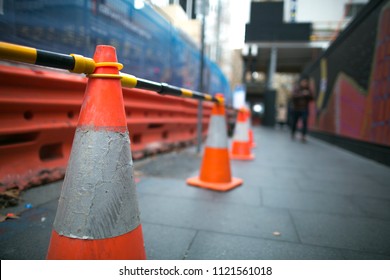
38,116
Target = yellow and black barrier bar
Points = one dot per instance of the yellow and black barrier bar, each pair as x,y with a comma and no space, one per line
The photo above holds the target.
163,88
72,62
80,64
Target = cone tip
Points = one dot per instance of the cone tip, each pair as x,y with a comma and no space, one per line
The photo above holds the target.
104,53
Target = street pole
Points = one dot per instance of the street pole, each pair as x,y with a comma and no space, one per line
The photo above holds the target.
272,68
201,87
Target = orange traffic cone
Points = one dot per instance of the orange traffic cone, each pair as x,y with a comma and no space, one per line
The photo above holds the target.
215,171
97,215
241,146
250,131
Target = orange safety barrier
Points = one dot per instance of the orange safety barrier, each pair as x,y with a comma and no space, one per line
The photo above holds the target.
39,110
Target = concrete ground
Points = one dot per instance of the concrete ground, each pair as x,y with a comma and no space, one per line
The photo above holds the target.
325,203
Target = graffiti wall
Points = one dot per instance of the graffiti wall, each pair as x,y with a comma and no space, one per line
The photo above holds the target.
352,79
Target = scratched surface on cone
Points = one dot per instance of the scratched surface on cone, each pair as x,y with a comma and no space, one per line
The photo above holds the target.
216,137
98,198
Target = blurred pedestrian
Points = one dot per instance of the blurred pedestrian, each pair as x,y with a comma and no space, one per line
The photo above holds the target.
301,98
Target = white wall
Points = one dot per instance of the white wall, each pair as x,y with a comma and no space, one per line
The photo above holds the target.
240,11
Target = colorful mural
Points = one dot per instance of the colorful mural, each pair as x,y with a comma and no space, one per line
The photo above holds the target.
347,107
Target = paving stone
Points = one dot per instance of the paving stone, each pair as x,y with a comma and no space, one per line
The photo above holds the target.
357,188
166,243
28,238
355,255
176,164
172,188
361,234
310,201
214,246
340,177
242,168
382,177
278,183
290,173
219,217
245,194
36,196
372,207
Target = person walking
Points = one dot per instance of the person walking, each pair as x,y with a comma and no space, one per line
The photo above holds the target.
301,98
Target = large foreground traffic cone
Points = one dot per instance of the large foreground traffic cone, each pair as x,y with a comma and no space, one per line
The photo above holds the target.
97,215
215,171
241,145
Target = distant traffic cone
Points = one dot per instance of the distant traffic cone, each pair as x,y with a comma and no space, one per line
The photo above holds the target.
250,131
251,138
241,146
97,215
215,171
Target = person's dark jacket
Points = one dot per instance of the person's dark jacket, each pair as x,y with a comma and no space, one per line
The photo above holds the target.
301,98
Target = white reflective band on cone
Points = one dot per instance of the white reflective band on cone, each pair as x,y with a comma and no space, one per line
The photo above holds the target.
98,198
241,132
217,137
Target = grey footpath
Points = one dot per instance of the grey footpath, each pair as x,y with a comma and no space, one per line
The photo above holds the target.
298,201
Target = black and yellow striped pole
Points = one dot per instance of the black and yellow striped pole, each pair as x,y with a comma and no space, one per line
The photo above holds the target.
73,63
85,65
163,88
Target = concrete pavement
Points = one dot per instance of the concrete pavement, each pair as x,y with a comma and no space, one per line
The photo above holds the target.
325,202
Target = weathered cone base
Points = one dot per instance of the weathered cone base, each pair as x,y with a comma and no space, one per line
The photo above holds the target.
195,181
124,247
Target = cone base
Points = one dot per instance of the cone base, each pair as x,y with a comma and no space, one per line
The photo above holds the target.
222,187
129,246
242,157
